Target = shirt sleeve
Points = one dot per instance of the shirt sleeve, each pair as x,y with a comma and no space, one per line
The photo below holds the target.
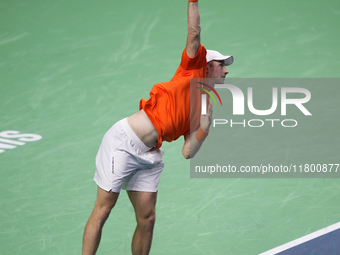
196,62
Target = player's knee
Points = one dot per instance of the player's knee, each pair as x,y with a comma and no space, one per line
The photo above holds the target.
100,215
146,223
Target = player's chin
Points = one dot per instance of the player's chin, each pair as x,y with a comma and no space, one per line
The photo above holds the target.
218,81
221,80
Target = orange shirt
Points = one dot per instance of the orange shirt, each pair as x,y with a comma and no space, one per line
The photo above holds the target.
169,104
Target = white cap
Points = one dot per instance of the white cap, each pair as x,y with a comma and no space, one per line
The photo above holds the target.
215,55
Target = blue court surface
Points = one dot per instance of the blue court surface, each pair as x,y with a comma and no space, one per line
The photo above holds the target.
325,241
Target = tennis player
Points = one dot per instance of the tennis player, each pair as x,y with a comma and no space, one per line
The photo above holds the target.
130,155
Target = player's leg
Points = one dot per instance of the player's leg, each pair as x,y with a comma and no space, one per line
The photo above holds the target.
101,211
144,204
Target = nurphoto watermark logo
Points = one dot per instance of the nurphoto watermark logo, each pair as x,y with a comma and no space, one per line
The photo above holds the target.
238,99
268,128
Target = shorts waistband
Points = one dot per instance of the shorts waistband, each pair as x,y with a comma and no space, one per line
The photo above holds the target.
141,146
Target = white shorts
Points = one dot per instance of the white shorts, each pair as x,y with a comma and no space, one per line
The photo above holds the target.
125,162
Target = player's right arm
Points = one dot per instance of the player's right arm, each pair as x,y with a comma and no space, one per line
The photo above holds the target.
191,144
194,29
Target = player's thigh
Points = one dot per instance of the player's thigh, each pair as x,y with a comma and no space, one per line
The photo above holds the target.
106,200
144,203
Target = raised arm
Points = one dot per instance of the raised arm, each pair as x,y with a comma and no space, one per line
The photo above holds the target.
194,29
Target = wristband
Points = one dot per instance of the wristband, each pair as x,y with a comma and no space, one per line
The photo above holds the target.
201,134
193,0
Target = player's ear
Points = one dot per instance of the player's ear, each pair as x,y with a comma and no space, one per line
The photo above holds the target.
208,68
